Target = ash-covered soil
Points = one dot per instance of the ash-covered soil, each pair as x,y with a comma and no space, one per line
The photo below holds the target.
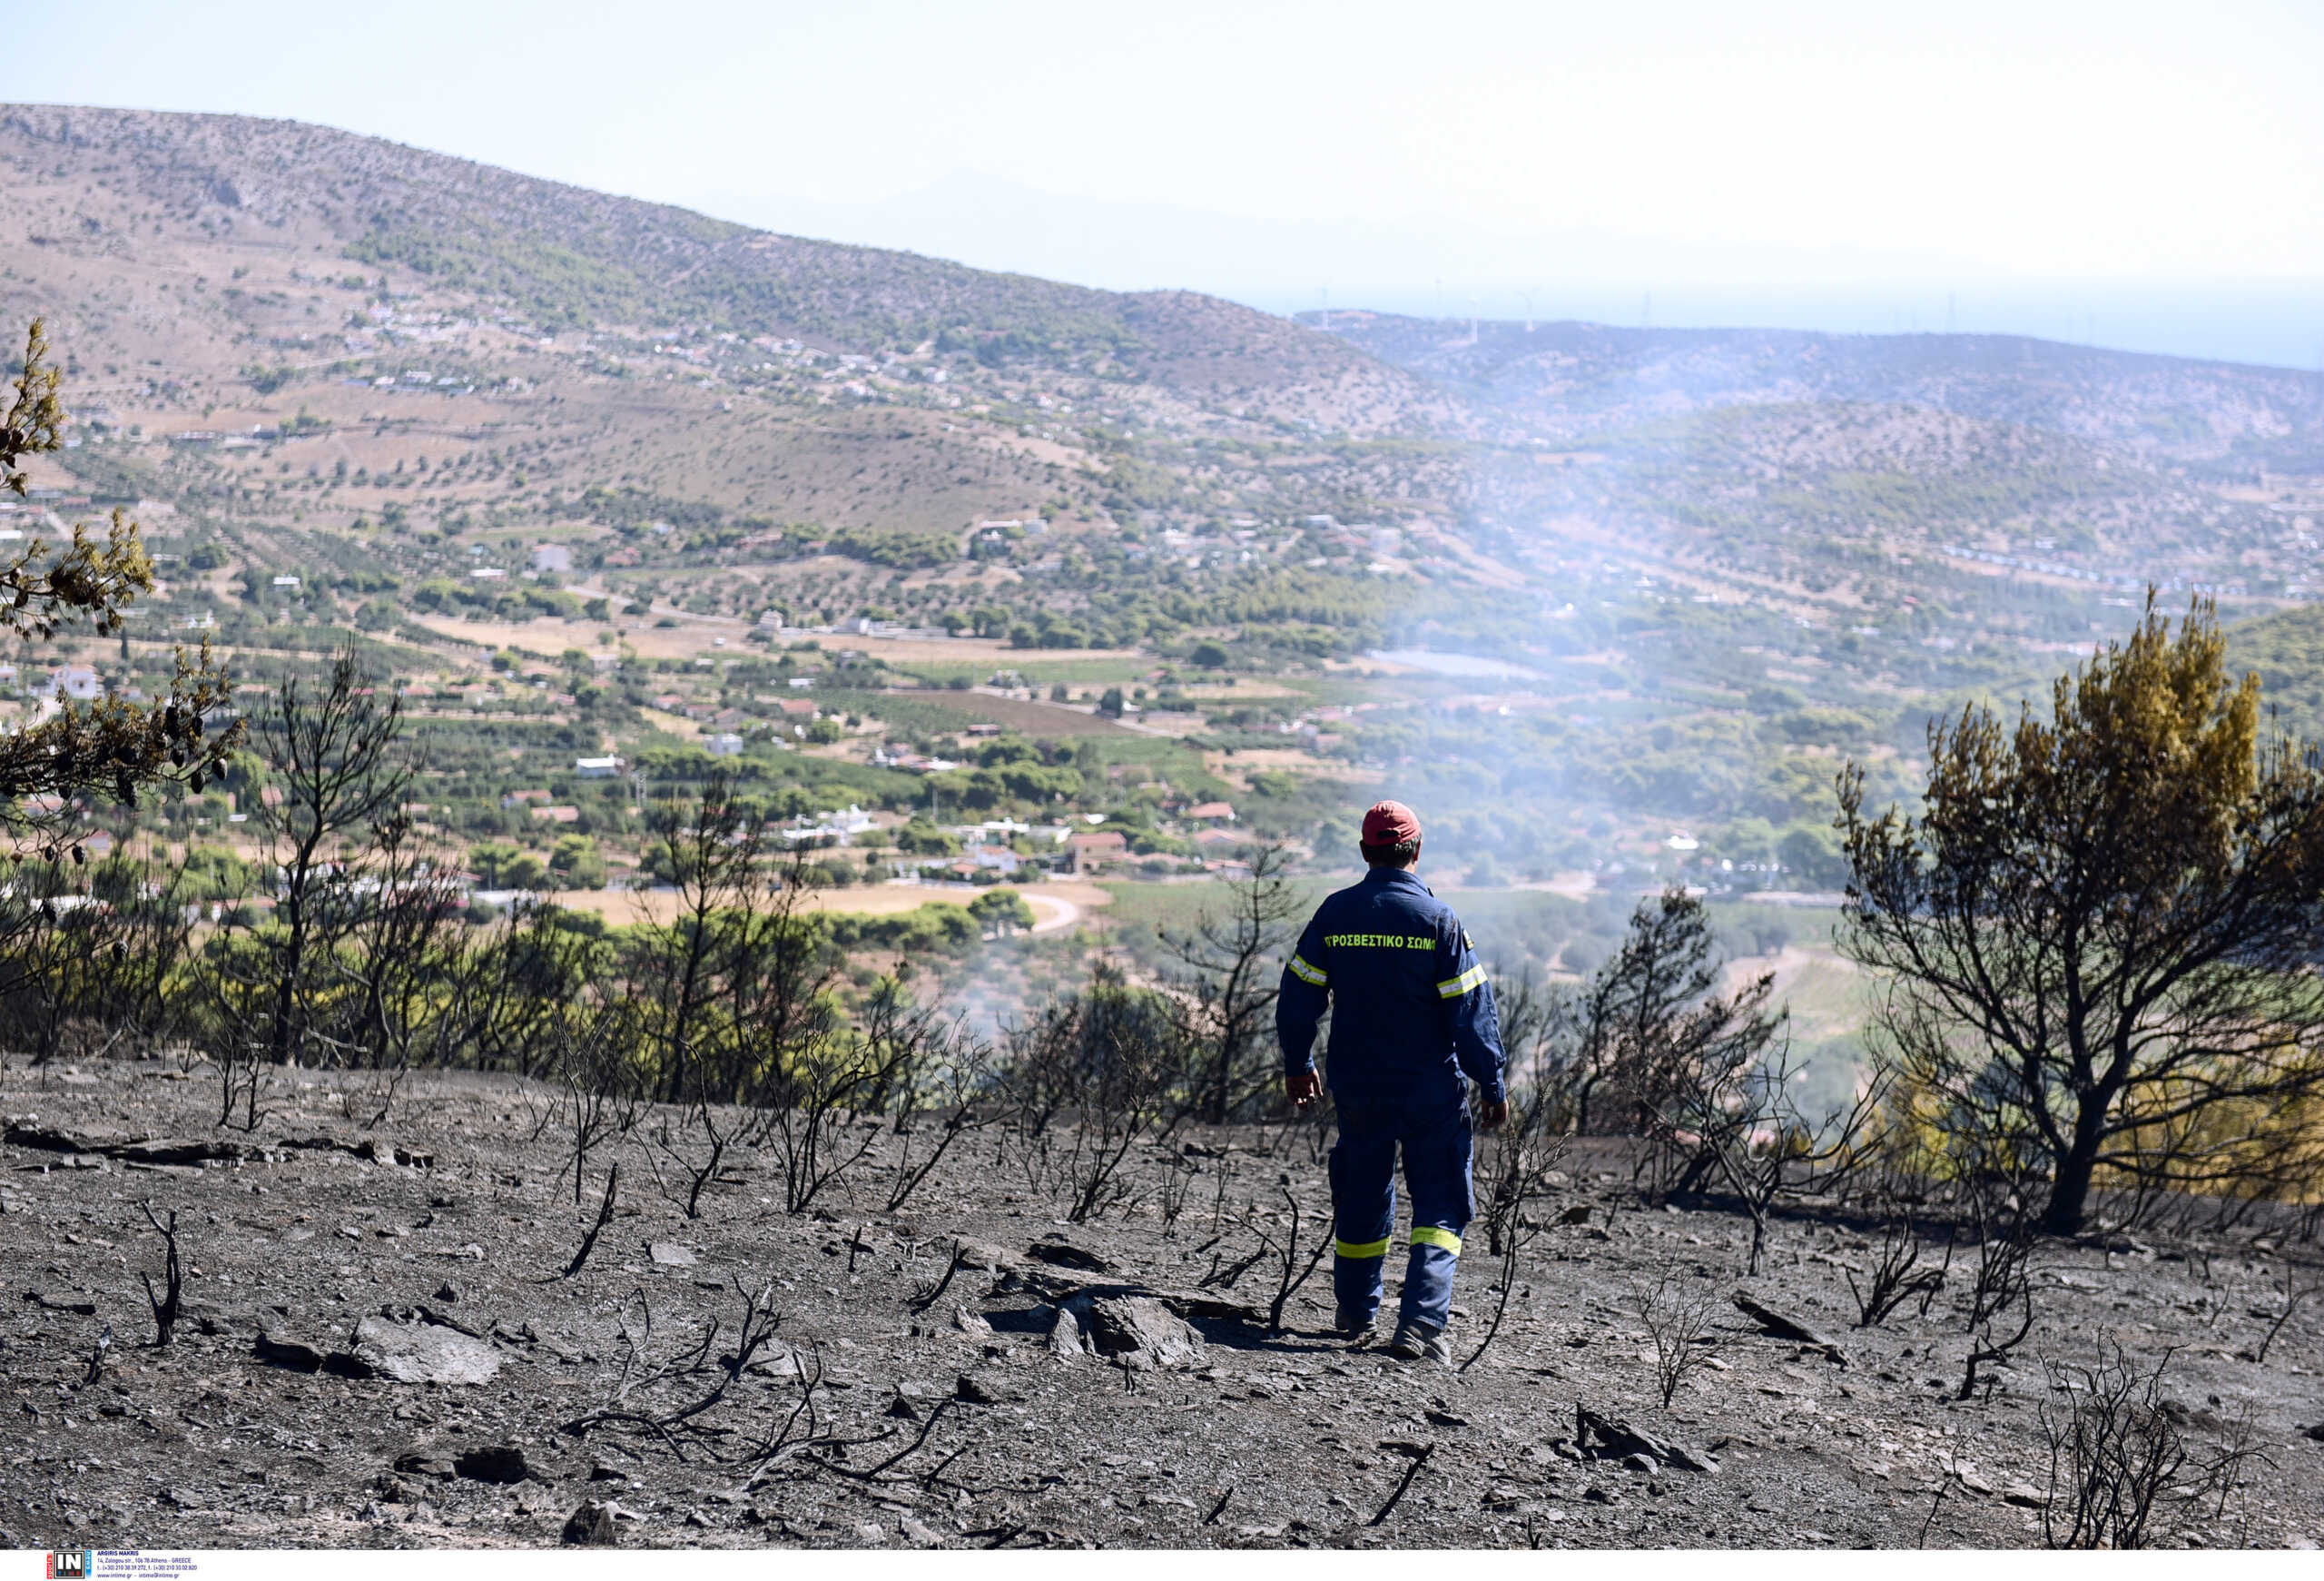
316,1258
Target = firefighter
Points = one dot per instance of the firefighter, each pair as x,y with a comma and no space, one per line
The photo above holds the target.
1413,1016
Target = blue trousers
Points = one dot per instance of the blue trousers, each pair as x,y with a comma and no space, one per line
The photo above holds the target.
1434,1142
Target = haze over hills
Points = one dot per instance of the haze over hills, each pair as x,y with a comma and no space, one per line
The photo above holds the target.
390,373
1575,377
1435,267
1210,405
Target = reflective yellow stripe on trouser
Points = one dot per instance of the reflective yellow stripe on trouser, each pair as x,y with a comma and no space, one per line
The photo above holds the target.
1430,1235
1362,1248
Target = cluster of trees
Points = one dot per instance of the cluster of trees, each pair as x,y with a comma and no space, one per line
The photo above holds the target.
519,603
2096,950
1010,769
350,944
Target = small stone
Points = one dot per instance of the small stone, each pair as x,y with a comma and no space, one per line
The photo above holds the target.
968,1322
185,1498
2025,1496
1645,1465
1136,1329
670,1254
973,1390
918,1535
977,1254
901,1409
447,1292
500,1463
420,1460
591,1526
1065,1336
1059,1252
869,1532
278,1350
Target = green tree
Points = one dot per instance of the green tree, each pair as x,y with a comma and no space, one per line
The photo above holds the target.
500,865
922,838
2097,943
1004,910
576,858
1812,857
114,746
1110,704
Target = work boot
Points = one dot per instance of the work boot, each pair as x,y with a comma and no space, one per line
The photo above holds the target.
1418,1342
1354,1327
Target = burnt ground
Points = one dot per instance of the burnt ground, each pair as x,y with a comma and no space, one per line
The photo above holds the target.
224,1439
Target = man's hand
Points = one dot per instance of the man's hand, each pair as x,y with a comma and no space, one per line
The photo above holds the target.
1493,1113
1303,1088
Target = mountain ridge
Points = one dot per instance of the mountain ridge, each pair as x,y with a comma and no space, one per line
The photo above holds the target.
213,272
571,256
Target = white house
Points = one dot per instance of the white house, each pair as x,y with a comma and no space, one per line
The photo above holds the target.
76,681
552,557
725,744
597,768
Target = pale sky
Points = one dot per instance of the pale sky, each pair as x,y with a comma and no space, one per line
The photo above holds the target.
2113,141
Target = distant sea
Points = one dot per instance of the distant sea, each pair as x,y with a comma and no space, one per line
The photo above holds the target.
2273,325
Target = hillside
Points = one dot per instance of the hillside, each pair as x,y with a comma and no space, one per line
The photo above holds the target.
222,265
2286,651
487,420
1569,380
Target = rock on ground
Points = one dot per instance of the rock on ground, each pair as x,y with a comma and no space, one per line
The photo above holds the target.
423,1353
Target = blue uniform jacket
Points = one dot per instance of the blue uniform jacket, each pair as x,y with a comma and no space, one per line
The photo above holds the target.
1414,1012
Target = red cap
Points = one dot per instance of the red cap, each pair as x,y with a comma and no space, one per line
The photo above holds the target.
1390,823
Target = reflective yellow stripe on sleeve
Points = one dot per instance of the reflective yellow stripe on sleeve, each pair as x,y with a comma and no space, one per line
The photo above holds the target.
1430,1235
1453,987
1361,1248
1307,973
